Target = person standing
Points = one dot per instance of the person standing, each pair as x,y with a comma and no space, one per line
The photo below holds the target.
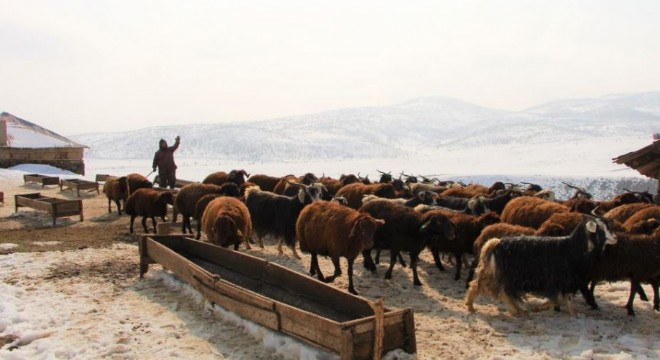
164,160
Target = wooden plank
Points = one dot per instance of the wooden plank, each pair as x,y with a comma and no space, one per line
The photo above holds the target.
379,326
323,293
310,327
347,351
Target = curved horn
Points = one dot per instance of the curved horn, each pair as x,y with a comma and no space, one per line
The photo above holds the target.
297,184
593,212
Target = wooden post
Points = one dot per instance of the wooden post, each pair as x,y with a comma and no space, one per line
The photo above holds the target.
379,327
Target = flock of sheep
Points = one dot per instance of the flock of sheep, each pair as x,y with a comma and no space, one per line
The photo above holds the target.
523,241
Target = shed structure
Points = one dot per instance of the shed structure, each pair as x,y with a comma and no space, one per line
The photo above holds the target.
645,160
23,142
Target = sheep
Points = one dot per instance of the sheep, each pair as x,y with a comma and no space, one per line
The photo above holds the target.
422,198
623,212
137,181
116,189
645,226
265,182
147,203
354,192
405,230
530,211
221,177
226,221
468,228
490,232
330,229
277,214
552,267
188,196
651,212
635,258
200,207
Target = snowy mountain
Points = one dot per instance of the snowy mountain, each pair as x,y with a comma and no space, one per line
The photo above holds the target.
400,130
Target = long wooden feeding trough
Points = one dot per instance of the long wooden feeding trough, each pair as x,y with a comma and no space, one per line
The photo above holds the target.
54,206
281,299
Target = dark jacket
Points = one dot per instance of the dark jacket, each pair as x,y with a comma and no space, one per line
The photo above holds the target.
164,157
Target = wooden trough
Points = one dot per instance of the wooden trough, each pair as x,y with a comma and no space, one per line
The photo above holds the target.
41,179
54,206
283,300
79,184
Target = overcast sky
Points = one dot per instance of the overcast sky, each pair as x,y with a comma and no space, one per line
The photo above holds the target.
87,66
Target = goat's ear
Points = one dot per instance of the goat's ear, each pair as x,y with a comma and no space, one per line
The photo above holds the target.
592,226
301,195
472,203
239,233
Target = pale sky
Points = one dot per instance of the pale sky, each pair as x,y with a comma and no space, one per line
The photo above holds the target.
98,66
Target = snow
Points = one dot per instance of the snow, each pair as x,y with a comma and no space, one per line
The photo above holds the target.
27,138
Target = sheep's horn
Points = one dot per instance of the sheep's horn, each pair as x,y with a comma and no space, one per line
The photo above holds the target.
297,184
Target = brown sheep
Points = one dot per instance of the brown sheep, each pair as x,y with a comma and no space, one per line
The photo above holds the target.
221,177
187,198
530,211
137,181
116,189
148,203
623,212
330,229
468,192
651,212
265,182
200,207
227,221
354,192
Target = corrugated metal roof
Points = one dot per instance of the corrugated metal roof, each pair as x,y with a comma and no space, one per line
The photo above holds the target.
645,160
16,122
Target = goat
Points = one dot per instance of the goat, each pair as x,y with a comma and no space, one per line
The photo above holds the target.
491,232
635,258
329,229
277,214
147,203
405,230
226,221
552,267
651,212
116,189
468,228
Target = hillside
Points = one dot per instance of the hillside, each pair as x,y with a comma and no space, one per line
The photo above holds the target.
423,126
